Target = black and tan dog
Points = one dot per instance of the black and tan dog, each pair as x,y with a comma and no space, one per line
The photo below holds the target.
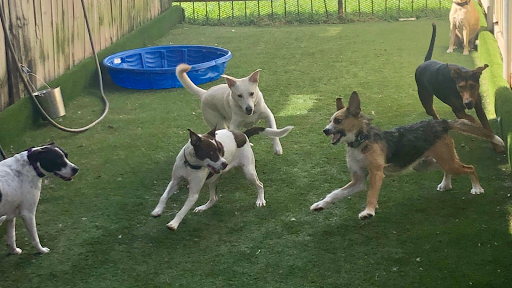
374,153
456,86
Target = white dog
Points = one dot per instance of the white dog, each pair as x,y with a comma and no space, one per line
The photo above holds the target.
202,160
464,25
236,105
20,187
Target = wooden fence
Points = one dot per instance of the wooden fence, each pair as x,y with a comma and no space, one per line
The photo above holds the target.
50,36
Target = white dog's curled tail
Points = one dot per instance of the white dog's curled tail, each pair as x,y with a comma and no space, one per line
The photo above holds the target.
2,219
275,133
181,73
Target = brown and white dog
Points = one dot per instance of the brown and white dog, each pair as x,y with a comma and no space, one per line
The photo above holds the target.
464,25
20,187
374,153
205,157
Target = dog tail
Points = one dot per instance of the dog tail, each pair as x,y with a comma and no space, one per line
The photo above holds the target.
432,41
275,133
466,127
181,73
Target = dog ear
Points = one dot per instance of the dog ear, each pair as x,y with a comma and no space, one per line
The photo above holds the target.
339,104
354,104
255,76
455,72
194,138
212,132
481,69
230,81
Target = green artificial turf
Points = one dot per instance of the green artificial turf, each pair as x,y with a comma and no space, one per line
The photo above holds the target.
99,227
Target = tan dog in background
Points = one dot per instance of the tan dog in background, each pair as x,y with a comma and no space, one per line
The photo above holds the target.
464,25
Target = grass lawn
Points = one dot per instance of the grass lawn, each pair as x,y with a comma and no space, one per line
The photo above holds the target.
99,227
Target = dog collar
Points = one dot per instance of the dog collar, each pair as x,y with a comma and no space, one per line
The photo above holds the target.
34,165
360,138
462,4
195,167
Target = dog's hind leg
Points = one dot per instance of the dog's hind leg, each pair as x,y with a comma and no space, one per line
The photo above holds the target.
213,197
446,156
252,176
193,194
427,100
11,237
171,188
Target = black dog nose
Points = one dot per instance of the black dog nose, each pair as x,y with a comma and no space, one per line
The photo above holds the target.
224,165
74,170
326,131
248,110
468,105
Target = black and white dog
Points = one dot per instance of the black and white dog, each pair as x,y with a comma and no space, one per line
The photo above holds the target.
20,187
205,157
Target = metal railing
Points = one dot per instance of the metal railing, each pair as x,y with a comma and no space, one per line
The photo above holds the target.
241,12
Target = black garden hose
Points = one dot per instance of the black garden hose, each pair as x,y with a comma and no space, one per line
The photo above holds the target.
30,89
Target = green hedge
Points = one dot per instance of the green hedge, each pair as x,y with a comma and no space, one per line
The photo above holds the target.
495,87
23,116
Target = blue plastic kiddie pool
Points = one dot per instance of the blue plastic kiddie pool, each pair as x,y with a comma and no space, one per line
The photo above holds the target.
155,67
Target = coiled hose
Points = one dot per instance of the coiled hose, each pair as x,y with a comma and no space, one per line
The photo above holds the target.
30,89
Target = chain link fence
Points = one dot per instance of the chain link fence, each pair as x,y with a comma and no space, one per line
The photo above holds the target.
261,12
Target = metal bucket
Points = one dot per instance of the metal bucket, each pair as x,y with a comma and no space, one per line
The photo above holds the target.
51,101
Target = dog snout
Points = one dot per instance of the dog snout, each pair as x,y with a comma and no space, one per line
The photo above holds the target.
327,131
469,104
248,110
224,165
74,170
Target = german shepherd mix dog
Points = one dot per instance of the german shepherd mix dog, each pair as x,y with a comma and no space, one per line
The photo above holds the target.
375,153
456,86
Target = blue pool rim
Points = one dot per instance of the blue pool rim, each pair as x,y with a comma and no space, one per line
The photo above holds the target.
162,78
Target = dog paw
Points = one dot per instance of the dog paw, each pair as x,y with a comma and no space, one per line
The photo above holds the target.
466,52
43,250
261,203
477,190
172,226
444,187
319,206
156,213
16,251
278,150
201,208
449,50
366,214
